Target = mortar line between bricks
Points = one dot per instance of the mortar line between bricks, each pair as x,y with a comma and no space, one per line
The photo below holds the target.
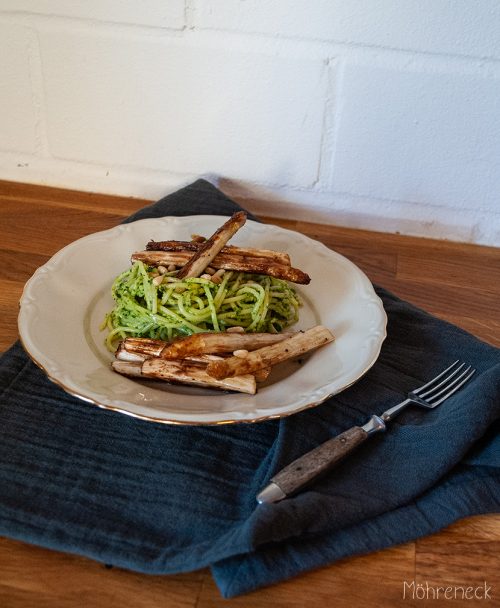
330,47
331,121
38,96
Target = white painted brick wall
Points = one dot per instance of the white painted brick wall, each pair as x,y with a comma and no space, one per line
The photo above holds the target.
439,143
209,111
380,114
17,114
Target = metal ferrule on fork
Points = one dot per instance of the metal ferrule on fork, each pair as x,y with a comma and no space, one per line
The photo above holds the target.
374,425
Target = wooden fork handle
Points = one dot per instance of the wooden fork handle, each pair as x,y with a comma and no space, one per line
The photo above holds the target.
317,462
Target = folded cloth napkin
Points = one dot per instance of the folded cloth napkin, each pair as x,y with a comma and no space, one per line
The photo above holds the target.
161,499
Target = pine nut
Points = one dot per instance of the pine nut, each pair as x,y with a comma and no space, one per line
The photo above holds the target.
215,279
162,269
206,276
158,280
210,270
171,267
237,329
241,353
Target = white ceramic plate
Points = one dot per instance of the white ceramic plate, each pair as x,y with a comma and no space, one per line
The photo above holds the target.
65,301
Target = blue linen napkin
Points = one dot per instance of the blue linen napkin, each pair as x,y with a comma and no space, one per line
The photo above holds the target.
162,499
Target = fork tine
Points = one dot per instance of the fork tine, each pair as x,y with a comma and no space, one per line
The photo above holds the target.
443,382
421,388
455,388
449,384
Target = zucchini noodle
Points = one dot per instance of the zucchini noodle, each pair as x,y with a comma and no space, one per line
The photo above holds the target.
256,302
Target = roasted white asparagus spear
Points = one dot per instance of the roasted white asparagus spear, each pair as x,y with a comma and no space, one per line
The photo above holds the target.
140,349
182,372
202,343
141,354
226,261
277,257
211,247
294,346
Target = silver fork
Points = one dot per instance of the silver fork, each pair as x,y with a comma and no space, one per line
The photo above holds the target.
321,459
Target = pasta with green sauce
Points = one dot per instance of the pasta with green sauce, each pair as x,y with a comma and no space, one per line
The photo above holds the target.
181,307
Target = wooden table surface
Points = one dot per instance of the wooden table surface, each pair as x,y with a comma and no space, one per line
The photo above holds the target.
457,282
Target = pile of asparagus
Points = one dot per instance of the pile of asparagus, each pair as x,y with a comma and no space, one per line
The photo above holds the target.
205,359
197,255
230,360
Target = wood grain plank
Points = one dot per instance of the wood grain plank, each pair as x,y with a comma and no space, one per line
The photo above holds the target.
444,299
33,577
19,266
90,201
464,555
10,292
34,227
471,270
